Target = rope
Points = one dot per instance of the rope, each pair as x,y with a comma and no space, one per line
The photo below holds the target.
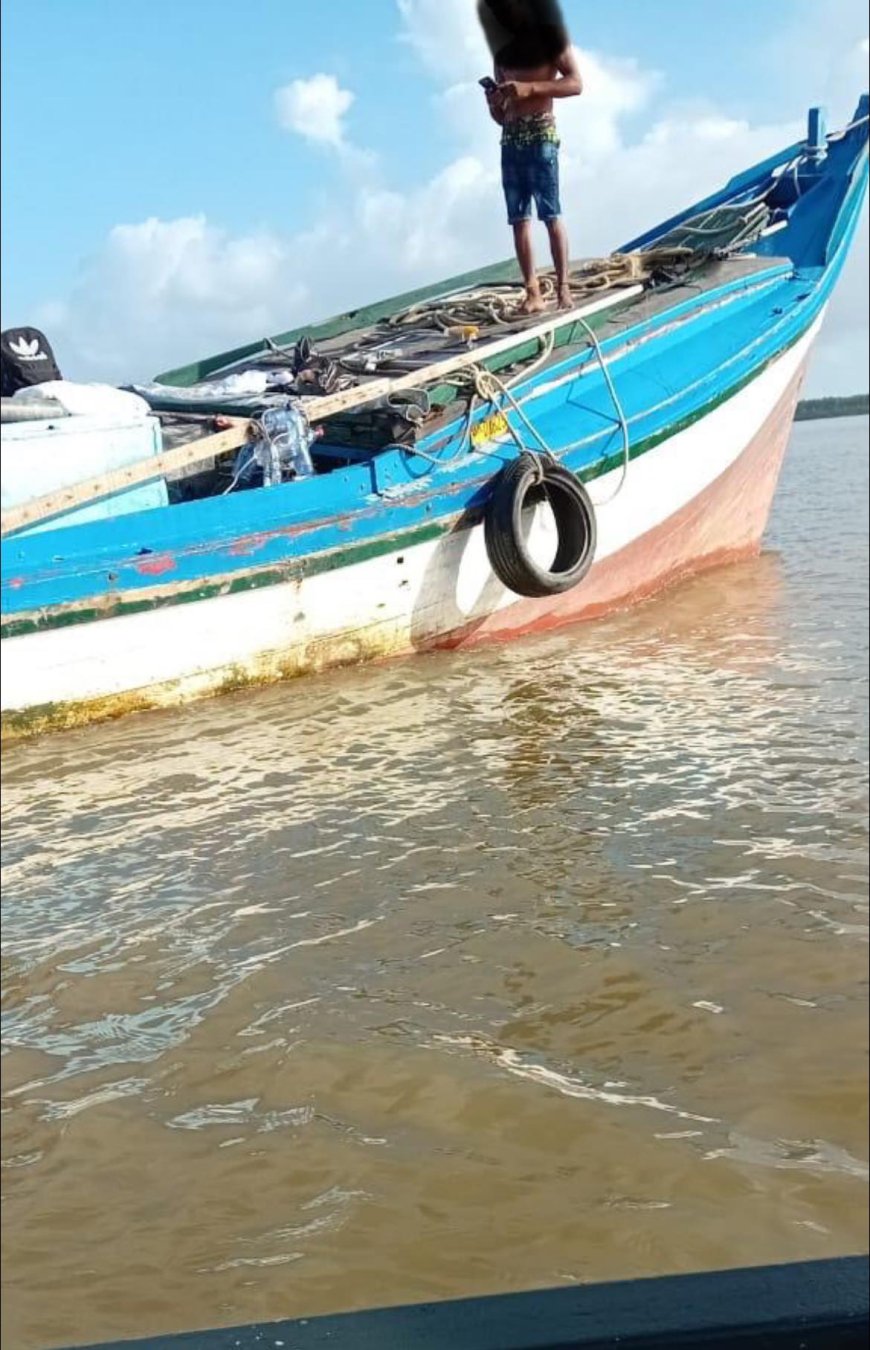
621,417
484,384
719,223
844,131
502,305
487,386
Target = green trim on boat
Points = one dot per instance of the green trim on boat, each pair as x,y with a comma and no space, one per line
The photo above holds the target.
295,569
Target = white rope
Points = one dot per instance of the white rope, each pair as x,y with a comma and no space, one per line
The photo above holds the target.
844,131
485,383
547,345
621,417
478,377
491,389
489,377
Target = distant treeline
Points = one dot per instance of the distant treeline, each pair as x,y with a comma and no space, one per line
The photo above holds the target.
853,406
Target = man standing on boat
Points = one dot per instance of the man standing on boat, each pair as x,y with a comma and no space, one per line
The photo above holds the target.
534,63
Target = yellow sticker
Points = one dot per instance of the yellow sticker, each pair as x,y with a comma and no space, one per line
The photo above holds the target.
489,429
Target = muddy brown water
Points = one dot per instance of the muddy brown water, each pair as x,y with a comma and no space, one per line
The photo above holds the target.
466,974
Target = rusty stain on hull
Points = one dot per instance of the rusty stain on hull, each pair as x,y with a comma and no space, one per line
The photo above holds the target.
260,670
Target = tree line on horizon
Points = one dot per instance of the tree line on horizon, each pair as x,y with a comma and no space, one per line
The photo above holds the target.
852,406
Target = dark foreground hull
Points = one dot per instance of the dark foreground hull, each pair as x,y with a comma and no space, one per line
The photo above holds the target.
813,1305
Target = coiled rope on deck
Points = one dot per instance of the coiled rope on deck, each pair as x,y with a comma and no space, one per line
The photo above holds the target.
501,304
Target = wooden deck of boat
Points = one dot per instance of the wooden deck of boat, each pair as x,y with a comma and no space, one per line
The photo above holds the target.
655,300
626,310
619,308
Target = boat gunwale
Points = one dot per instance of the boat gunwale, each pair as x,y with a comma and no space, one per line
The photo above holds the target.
615,346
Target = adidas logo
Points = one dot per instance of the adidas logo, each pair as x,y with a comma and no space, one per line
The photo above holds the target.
27,351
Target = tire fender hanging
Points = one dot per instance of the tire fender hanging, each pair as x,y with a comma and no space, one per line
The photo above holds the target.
521,484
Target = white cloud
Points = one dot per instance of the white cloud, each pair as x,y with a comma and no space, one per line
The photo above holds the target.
162,292
159,289
314,108
434,229
847,78
613,90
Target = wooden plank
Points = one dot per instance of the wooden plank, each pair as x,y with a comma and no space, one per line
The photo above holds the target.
326,406
117,480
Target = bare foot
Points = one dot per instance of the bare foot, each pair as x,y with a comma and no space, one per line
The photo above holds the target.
565,298
533,303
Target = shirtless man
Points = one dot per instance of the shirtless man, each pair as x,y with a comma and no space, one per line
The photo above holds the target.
533,65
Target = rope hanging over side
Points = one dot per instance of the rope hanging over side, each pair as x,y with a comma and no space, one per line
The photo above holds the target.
485,386
620,413
488,386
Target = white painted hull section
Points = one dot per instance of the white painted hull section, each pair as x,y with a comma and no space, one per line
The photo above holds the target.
388,605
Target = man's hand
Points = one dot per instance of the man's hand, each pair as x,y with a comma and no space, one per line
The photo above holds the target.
513,92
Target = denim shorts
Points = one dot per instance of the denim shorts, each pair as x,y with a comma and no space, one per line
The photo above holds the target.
531,173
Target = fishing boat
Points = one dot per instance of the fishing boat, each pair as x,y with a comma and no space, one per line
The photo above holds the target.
440,469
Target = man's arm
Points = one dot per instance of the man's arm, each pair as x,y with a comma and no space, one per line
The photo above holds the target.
567,84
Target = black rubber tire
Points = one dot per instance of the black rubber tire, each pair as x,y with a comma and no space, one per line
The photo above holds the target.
519,485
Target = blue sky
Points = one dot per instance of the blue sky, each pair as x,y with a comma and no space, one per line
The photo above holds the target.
179,175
